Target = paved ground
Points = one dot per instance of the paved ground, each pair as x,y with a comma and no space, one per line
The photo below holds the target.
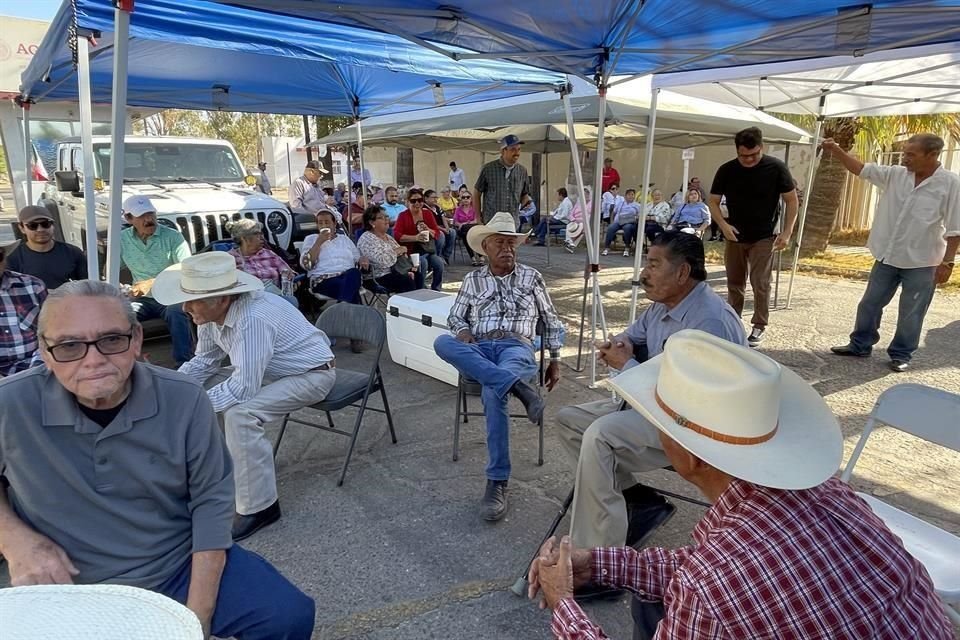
399,551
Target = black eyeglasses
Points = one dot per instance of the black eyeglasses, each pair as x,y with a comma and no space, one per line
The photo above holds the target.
416,200
73,350
38,224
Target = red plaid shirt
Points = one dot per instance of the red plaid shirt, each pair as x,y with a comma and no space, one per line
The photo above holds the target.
264,264
767,563
20,298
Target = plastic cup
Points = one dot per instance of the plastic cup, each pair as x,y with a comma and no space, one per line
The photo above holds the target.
415,259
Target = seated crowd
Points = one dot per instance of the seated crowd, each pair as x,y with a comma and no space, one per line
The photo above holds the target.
786,550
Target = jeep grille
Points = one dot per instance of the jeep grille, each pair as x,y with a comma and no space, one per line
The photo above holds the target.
199,231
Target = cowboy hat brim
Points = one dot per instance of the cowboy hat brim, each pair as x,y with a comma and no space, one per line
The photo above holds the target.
166,288
806,449
476,235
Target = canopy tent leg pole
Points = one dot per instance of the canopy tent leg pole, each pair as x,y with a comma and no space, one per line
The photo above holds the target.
645,188
546,183
86,145
686,175
583,316
592,251
811,171
363,175
28,152
306,137
121,43
593,223
776,284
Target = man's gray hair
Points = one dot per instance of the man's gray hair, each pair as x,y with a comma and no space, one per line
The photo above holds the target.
243,228
86,289
929,142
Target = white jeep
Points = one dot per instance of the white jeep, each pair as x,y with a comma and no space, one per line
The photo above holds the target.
197,186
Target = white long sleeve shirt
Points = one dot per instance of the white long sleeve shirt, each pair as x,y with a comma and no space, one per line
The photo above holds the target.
912,221
265,337
336,255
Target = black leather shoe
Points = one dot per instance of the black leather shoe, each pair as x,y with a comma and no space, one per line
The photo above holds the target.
531,400
848,350
899,366
494,504
246,526
647,511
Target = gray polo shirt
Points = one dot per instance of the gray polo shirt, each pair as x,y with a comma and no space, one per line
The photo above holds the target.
702,309
128,503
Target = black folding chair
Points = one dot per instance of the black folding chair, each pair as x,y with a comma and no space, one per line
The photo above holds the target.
352,388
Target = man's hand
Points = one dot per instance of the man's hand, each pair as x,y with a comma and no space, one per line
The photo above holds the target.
465,336
830,147
730,232
142,288
615,353
781,242
553,375
36,559
942,274
557,571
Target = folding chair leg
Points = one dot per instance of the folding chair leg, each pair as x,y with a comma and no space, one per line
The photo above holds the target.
329,419
283,427
386,406
466,417
461,402
540,446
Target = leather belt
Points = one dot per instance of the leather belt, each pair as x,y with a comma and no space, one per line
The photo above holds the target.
500,334
326,366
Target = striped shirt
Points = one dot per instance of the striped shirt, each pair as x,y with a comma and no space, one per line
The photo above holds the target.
20,298
503,188
146,260
513,303
812,564
265,337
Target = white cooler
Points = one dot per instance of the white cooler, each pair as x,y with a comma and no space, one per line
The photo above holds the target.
414,320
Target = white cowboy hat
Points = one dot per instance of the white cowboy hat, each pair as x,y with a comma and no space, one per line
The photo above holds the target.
737,410
204,275
502,224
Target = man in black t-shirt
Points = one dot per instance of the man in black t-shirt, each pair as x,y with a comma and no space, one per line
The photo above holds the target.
753,185
43,257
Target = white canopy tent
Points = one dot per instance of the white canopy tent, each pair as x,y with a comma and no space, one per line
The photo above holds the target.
908,81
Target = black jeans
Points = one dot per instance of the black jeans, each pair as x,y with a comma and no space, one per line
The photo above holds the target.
646,617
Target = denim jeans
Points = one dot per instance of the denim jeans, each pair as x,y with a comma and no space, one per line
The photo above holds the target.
629,233
548,224
178,324
446,243
915,298
497,365
342,288
429,261
255,602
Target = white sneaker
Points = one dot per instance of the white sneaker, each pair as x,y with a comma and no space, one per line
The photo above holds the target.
755,337
606,252
626,253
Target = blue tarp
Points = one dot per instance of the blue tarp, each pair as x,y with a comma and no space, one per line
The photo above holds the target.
195,54
647,36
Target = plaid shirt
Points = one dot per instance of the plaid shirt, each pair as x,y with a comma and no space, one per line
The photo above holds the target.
814,564
513,303
501,193
20,299
264,264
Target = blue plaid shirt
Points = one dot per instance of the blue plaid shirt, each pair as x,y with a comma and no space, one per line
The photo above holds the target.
20,299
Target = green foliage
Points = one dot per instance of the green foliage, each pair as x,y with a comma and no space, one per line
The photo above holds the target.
240,129
3,164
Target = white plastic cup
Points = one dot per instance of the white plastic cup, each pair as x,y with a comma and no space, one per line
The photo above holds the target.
415,259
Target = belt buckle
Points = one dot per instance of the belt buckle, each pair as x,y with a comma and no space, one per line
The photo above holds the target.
497,334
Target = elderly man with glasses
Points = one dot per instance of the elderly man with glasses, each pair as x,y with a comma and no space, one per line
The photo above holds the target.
141,475
41,255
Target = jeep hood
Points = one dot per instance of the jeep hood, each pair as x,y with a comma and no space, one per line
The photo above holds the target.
180,199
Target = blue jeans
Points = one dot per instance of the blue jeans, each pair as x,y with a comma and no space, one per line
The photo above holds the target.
915,298
342,288
446,243
178,324
255,602
497,365
429,261
629,233
542,228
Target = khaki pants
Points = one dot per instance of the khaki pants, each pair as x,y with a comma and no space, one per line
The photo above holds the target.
757,259
254,474
607,447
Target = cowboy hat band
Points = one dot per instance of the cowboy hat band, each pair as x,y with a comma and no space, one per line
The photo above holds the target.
713,435
206,291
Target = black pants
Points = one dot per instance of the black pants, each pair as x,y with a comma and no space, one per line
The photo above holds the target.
646,617
396,283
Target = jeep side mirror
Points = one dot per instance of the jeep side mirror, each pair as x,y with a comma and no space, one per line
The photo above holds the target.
68,181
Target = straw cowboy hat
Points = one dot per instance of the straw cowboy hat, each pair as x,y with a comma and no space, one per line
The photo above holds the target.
737,410
502,223
205,275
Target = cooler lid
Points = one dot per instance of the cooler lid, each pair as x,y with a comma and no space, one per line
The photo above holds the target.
423,305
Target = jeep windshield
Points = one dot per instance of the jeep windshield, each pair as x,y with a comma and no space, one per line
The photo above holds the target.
172,162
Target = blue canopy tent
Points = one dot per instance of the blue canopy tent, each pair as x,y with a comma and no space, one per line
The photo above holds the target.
193,54
600,38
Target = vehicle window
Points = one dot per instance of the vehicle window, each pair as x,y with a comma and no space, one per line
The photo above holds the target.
76,159
63,160
172,162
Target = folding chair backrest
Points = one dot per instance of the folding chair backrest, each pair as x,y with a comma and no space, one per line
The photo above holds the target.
928,413
354,321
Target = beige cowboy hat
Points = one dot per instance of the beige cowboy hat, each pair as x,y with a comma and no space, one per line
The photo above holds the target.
204,275
502,223
737,410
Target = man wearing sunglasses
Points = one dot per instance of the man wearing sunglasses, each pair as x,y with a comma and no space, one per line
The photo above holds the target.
41,255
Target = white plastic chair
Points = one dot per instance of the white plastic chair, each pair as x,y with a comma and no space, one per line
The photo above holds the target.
934,415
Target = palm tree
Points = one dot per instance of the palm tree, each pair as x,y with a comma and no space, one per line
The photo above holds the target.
868,137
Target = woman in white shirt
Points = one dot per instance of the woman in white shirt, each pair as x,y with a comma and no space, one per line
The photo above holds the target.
384,254
331,261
